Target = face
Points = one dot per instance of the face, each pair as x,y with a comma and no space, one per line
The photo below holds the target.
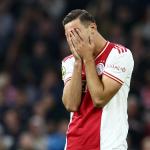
79,25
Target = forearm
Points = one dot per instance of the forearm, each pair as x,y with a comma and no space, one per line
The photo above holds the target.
95,84
73,90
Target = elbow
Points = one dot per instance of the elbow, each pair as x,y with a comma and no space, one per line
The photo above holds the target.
98,102
71,109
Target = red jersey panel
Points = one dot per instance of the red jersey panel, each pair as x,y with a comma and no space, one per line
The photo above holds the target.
84,128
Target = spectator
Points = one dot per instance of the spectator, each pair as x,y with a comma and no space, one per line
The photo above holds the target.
146,143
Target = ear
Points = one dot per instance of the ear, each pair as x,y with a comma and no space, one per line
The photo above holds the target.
93,27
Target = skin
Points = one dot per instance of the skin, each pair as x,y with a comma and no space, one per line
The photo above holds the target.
86,43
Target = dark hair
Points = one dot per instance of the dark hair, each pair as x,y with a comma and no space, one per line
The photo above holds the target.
83,15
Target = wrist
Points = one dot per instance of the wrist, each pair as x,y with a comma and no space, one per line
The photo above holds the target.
87,60
78,66
78,63
77,59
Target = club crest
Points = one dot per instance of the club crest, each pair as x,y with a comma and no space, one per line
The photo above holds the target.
100,68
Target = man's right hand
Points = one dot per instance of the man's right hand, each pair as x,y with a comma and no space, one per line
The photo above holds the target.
70,100
72,48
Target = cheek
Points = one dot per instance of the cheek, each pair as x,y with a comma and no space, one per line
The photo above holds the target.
88,33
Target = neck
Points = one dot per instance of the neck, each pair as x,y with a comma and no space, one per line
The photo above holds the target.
100,43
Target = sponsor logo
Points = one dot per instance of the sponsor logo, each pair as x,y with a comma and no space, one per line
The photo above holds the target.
116,67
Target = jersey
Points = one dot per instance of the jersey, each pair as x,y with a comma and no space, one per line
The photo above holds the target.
106,128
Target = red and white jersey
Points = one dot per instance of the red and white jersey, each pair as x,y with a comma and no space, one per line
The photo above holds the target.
104,128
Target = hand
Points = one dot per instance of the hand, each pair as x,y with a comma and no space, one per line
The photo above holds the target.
83,45
72,48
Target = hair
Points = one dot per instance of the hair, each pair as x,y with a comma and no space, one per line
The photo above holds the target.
84,16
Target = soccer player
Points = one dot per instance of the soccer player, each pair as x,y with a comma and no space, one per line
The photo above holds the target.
97,81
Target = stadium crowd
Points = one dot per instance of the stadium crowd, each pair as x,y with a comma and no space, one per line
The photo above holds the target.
32,45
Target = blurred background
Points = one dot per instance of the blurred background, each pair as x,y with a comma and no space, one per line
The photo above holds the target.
32,45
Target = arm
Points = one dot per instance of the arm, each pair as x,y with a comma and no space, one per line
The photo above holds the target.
72,90
101,90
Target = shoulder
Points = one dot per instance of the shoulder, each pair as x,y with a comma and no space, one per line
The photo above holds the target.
121,51
120,55
68,61
120,48
67,58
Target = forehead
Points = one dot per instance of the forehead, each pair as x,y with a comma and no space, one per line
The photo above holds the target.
73,24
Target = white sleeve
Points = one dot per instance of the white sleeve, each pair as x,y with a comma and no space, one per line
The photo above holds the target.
67,69
119,66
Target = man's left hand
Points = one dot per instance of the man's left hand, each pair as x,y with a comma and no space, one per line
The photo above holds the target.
83,45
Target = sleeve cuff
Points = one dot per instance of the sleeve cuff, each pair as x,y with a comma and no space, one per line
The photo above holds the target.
67,77
65,81
113,77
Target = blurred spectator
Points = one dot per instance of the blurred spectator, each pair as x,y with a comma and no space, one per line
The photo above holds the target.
55,8
12,126
146,143
137,45
39,60
146,120
146,25
58,137
2,145
37,130
26,142
6,26
135,122
117,34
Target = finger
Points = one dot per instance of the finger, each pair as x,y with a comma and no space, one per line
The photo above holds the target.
73,49
78,37
67,37
74,41
83,35
79,34
75,37
70,42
